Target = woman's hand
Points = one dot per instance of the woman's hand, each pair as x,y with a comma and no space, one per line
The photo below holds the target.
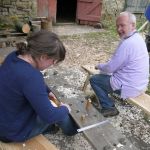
52,96
66,105
54,100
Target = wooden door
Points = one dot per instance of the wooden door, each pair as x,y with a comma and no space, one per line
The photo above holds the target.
89,11
47,8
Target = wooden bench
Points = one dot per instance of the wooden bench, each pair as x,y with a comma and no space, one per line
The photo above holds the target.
37,143
142,101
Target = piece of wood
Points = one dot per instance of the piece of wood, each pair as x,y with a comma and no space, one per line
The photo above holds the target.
9,34
143,26
100,137
38,22
1,60
39,18
86,82
90,69
46,25
36,143
143,101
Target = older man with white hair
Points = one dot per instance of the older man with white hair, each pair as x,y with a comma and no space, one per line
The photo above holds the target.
127,72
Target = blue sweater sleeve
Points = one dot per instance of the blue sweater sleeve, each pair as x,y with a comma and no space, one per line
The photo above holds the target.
35,92
48,89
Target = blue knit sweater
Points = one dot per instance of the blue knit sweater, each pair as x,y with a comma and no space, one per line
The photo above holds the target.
23,97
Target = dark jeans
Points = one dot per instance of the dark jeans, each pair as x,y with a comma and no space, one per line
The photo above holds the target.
101,86
67,125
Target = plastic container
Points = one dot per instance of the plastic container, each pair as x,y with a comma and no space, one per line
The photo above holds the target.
147,13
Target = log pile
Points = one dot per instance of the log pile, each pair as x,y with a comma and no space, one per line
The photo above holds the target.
31,25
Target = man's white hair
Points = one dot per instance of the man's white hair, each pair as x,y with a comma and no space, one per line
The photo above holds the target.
132,17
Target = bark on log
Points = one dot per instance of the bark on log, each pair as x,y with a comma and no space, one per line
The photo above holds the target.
22,27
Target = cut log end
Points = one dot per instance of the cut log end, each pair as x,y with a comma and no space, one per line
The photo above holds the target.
26,28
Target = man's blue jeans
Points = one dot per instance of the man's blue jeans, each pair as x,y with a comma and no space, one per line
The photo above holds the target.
101,86
67,125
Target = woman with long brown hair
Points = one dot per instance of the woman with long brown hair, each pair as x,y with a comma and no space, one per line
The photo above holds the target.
25,108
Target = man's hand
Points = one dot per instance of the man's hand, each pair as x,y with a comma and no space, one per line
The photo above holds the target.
96,67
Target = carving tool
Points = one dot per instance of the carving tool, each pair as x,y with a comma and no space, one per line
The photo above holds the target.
88,104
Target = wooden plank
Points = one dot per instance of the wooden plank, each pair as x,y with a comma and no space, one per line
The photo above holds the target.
90,69
6,34
36,143
143,26
1,60
86,82
100,137
143,101
39,18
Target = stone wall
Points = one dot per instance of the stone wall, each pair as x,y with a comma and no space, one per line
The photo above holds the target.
113,7
29,7
20,8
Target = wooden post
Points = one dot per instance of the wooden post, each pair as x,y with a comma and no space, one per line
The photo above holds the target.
46,24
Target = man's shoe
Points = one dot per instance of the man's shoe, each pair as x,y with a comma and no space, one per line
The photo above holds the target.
108,112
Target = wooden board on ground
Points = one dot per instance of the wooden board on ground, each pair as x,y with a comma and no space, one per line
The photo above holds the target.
36,143
143,101
65,81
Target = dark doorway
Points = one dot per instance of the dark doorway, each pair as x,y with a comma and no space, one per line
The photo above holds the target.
66,10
